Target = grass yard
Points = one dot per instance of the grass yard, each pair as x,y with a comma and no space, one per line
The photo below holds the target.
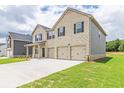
105,73
11,60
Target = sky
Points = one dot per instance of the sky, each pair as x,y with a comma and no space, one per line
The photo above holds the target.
23,19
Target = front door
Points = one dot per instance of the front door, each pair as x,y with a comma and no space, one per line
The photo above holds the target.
43,52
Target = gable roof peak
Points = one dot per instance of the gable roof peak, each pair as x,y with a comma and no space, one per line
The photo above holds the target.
76,10
42,26
39,25
82,13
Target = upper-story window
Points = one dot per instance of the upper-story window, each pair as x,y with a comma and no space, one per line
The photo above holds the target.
38,37
61,31
79,27
50,35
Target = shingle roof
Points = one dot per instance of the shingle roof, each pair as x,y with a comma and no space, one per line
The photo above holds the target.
20,37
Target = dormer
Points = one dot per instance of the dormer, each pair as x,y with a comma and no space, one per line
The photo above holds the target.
39,34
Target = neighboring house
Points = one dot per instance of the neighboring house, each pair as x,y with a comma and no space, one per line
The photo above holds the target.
15,44
74,36
2,49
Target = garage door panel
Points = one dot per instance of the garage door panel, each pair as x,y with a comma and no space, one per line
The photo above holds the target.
51,52
78,52
62,53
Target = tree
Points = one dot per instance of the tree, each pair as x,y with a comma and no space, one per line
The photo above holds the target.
121,48
113,45
110,46
116,44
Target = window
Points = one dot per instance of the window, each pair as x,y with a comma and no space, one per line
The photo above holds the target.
79,27
61,31
38,37
50,35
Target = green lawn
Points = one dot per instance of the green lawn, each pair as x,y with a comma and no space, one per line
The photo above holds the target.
105,73
11,60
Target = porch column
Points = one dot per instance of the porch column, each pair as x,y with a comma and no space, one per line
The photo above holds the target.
33,51
39,51
27,51
46,52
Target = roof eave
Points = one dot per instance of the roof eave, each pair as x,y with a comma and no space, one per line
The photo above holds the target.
95,21
73,10
22,40
36,28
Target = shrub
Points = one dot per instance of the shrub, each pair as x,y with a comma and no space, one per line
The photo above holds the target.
121,48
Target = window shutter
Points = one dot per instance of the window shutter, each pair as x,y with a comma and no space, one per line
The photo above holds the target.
47,35
41,36
58,32
35,37
64,31
74,28
82,26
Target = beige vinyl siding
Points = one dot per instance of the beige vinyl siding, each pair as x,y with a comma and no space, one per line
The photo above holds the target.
78,52
97,43
62,52
71,39
40,30
74,46
51,52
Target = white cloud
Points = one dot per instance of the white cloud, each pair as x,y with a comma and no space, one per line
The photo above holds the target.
23,19
2,40
111,18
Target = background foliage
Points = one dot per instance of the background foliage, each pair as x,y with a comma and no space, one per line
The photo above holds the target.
115,46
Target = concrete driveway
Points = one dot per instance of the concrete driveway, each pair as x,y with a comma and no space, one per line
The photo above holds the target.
16,74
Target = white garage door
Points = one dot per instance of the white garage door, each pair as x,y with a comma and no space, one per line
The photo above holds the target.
78,52
51,52
63,53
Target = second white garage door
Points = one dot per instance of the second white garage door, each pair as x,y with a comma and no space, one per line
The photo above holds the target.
78,52
51,52
62,53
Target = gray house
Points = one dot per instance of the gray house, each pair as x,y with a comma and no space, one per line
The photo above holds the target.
15,44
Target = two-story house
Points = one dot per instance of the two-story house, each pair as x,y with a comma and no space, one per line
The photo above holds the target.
74,36
15,44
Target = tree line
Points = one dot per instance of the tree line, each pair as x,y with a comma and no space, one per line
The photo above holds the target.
115,46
